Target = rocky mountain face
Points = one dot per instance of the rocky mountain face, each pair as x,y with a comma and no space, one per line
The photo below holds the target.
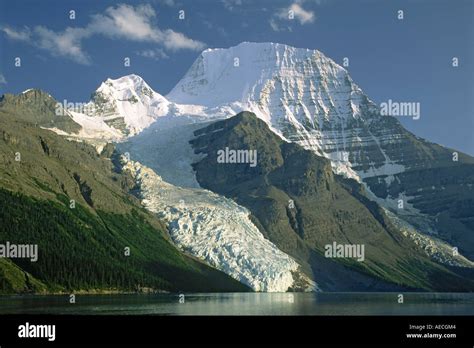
302,206
38,108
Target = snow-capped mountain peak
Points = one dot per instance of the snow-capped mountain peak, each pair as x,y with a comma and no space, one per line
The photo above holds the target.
127,104
277,82
128,83
283,85
131,88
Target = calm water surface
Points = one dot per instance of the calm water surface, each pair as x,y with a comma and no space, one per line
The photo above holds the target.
246,304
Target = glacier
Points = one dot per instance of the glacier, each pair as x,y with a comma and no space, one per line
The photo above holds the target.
218,231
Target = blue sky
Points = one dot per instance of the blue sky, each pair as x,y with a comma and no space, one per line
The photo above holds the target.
404,60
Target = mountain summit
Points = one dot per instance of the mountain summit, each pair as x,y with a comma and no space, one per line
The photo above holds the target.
128,104
277,82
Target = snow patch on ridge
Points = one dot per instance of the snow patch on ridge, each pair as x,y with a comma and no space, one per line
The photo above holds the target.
435,248
94,127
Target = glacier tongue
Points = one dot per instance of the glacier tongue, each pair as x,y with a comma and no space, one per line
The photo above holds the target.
218,231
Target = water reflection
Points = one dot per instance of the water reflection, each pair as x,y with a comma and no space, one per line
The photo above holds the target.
247,304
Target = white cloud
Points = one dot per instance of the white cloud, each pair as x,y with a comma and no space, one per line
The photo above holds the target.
155,54
231,4
122,22
136,24
126,22
3,81
299,13
21,35
302,15
294,11
66,43
176,41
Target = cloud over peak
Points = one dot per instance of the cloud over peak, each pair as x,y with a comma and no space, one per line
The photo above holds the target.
123,22
293,12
